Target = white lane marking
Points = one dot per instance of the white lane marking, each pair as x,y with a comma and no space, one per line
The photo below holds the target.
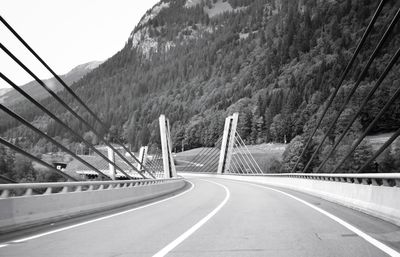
99,219
386,249
196,226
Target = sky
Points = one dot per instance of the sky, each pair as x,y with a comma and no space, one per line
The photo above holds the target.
65,33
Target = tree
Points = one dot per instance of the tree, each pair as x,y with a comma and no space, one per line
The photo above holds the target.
91,138
6,162
277,129
360,156
23,170
387,163
292,154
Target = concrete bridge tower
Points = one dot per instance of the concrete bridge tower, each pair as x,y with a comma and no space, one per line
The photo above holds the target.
166,147
228,141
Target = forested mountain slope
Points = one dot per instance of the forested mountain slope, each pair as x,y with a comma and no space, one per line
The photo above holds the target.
274,61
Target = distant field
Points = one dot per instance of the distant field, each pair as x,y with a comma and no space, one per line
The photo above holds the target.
263,154
204,163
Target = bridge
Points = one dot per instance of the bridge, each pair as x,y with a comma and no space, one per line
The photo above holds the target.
215,205
219,202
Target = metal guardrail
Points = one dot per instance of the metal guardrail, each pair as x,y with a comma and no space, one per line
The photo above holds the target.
31,189
375,179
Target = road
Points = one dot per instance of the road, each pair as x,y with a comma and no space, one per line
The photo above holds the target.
213,217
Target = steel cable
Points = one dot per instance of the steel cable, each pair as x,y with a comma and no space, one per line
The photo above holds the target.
355,86
38,131
347,69
41,83
67,88
366,99
41,107
34,158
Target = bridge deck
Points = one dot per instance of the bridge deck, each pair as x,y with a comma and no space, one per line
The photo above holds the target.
254,221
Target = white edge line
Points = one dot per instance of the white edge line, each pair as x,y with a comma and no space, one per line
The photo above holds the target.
99,219
196,226
386,249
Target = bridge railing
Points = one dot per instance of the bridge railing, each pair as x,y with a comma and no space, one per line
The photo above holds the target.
376,179
34,204
29,189
376,194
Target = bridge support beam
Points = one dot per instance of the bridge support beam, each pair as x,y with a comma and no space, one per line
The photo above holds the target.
111,157
166,147
142,157
228,140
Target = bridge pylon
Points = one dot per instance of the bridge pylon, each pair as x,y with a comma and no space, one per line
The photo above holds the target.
166,147
111,157
142,157
228,141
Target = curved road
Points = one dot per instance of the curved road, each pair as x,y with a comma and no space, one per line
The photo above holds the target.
214,217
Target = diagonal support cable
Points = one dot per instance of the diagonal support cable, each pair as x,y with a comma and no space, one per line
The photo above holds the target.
209,161
236,154
213,160
242,157
34,158
205,158
215,164
38,131
10,181
239,162
354,88
199,157
248,151
45,110
235,165
41,83
346,71
364,103
383,147
394,97
193,161
66,87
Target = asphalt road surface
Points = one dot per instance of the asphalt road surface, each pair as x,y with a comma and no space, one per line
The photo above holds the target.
215,217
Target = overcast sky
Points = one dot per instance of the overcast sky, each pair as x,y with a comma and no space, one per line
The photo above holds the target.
66,33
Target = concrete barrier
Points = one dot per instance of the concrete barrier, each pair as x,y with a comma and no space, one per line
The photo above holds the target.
379,201
26,211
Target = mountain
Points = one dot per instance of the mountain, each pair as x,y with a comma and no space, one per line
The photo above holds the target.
11,96
274,61
4,91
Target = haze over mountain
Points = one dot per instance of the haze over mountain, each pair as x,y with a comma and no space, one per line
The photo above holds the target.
9,96
4,90
274,61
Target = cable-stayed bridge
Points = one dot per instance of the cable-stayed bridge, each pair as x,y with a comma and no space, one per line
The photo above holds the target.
217,201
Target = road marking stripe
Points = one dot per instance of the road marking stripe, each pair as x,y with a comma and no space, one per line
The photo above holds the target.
196,226
99,219
386,249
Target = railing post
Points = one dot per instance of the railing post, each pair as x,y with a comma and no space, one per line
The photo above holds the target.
166,147
228,140
111,157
